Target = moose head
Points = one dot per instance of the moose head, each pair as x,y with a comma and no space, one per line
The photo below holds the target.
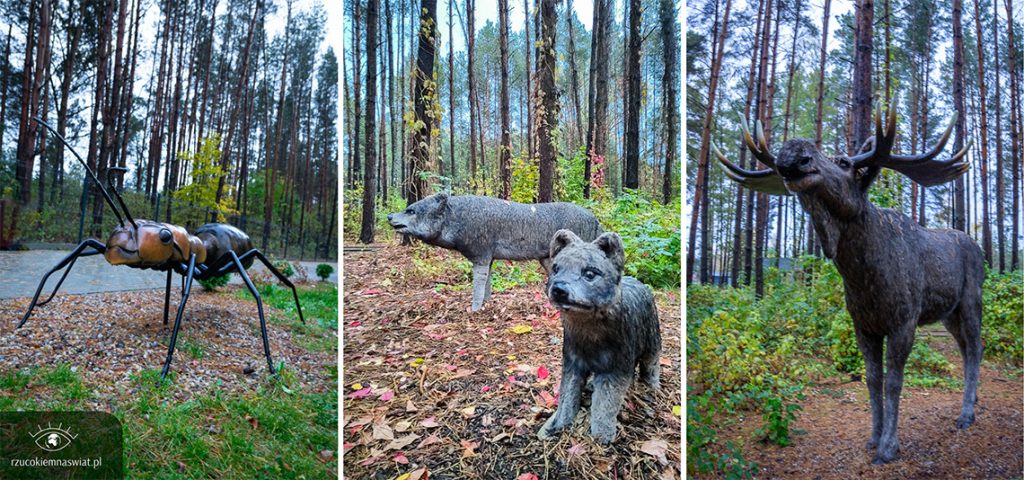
835,188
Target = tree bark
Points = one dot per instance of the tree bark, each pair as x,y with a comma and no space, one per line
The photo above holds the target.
632,149
570,18
959,200
986,232
670,79
424,91
504,163
546,107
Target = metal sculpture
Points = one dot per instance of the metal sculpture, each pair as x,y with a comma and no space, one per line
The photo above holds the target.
214,249
896,273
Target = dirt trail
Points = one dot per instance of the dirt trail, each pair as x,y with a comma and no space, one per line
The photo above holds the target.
461,395
838,423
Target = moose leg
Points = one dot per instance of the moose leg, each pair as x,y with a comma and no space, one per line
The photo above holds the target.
898,348
280,276
490,270
167,295
259,308
968,338
871,349
569,393
189,272
69,262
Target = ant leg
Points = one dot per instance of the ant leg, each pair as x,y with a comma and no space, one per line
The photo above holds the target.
167,295
68,261
280,276
259,307
189,272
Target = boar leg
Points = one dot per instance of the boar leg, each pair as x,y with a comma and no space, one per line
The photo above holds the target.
490,269
569,393
481,282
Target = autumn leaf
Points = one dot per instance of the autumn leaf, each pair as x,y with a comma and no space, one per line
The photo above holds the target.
677,410
521,329
401,458
656,448
542,372
401,443
357,386
549,400
485,389
410,407
429,422
383,432
387,396
469,411
577,449
469,448
429,441
361,393
528,476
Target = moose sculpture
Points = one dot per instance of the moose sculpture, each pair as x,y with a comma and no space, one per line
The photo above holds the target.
896,273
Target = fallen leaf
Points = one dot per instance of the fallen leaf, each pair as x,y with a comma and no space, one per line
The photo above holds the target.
400,458
542,372
253,421
401,443
410,407
485,389
387,396
418,474
469,411
528,476
357,386
429,422
402,426
368,461
430,441
326,454
549,400
577,449
677,410
665,361
362,393
469,448
521,329
656,448
383,432
372,291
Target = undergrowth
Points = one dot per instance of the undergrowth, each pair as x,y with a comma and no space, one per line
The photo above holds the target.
750,355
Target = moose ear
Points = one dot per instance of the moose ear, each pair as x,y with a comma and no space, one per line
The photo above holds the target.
611,244
563,238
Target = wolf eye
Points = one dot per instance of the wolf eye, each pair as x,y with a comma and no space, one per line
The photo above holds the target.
555,268
410,211
591,274
165,236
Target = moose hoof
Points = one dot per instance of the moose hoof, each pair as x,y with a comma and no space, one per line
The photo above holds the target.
964,421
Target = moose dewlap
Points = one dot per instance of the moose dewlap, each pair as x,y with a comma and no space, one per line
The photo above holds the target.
484,229
610,327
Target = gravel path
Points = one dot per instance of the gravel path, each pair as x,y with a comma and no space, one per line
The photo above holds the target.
20,273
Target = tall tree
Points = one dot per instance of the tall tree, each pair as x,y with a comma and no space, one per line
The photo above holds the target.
424,92
670,52
632,148
546,102
862,67
597,98
1000,174
370,166
471,79
357,61
1015,125
986,232
959,199
570,19
504,167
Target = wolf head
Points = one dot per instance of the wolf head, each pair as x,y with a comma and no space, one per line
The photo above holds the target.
585,276
423,219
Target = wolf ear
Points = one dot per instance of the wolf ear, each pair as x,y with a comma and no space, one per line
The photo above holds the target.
611,244
563,238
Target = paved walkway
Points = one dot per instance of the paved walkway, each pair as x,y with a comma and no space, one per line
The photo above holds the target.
20,273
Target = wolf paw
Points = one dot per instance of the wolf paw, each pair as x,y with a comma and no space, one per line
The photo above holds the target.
964,421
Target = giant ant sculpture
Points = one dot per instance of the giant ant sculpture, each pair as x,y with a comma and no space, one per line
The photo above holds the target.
896,273
214,249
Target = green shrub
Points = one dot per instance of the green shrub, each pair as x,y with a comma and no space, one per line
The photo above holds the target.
650,234
323,271
286,268
1003,317
211,284
846,355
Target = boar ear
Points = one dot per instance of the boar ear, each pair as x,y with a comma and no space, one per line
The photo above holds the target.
442,200
563,238
611,244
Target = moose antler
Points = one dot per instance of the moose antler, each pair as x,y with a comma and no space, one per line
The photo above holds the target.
767,180
921,168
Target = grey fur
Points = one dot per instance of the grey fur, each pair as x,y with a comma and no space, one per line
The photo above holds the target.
897,275
610,326
485,229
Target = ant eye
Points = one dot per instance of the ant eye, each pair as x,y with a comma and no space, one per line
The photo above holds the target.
165,236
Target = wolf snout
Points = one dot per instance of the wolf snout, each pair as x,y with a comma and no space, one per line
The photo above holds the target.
558,293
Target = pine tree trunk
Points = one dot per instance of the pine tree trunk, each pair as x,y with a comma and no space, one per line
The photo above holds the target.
424,91
1015,125
670,80
632,149
959,200
570,18
471,79
986,232
504,163
546,107
1000,174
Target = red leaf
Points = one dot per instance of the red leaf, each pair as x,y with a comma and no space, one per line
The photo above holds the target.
485,389
355,323
542,372
362,393
429,422
528,476
549,401
400,458
387,396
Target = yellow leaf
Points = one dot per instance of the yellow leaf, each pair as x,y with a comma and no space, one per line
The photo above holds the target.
404,476
357,386
521,329
677,410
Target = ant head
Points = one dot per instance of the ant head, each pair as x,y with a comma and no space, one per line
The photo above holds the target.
150,243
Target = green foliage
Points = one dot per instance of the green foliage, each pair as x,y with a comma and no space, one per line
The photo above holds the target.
570,177
650,234
1002,323
700,437
525,180
286,268
200,195
323,271
211,284
843,345
779,415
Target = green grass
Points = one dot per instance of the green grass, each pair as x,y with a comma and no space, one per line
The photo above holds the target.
319,307
273,430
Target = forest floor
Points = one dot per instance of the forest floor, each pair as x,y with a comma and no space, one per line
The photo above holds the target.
431,388
219,414
836,417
